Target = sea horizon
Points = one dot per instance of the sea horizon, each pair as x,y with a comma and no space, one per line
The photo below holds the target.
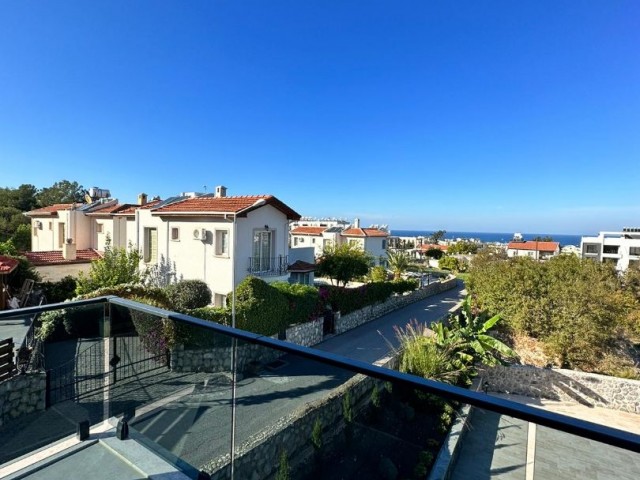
492,237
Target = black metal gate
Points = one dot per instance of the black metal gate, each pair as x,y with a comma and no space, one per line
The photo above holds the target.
328,327
92,371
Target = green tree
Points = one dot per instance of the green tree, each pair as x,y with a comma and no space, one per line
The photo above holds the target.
437,236
463,247
21,238
449,263
116,267
546,238
434,253
399,262
378,274
343,263
63,191
10,219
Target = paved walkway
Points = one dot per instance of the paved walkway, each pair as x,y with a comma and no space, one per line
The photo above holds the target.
502,447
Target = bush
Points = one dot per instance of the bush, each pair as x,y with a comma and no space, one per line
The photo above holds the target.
188,294
260,308
303,301
59,291
212,314
347,300
80,322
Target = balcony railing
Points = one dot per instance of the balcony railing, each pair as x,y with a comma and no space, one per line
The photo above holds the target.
268,266
220,402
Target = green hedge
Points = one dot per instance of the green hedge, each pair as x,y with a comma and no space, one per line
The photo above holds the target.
303,301
347,300
188,294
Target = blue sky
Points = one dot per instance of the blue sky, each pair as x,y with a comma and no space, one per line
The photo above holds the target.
466,116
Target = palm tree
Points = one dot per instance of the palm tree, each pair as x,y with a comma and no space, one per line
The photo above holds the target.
399,262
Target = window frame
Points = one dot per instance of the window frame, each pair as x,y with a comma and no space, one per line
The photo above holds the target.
171,232
221,252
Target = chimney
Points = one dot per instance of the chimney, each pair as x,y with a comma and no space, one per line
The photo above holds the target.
221,191
142,199
356,223
69,250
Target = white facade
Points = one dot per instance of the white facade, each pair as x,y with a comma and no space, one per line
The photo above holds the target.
622,249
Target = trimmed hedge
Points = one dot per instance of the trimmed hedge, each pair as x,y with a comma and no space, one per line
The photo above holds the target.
260,308
56,292
188,294
347,300
304,302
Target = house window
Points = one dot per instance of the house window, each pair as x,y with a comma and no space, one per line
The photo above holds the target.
591,248
175,234
150,245
313,240
262,251
612,249
295,241
222,242
384,244
219,300
100,227
634,250
326,243
51,226
353,242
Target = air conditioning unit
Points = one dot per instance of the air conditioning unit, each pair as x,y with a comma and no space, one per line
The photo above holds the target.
39,225
200,234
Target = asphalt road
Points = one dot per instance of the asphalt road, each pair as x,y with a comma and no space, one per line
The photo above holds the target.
197,426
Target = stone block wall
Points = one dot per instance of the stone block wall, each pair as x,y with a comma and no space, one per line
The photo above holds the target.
364,315
218,359
306,334
258,457
568,385
21,395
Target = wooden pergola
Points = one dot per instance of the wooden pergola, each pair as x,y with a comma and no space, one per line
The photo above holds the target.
7,265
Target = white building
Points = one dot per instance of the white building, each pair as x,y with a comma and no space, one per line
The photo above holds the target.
533,249
214,238
619,248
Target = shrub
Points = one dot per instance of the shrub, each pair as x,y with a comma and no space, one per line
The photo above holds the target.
303,301
80,322
188,294
213,314
347,300
51,326
284,471
260,308
63,289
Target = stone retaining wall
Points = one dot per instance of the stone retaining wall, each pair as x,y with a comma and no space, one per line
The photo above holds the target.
21,395
306,334
218,359
568,385
364,315
258,457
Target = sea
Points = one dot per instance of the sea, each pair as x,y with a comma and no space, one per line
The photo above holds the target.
492,237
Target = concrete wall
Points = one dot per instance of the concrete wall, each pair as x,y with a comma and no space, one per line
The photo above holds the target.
53,273
21,395
359,317
569,385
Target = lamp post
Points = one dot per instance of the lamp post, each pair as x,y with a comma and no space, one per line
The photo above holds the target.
234,341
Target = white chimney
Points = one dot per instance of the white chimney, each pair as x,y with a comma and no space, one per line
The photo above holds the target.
356,223
142,199
69,250
221,191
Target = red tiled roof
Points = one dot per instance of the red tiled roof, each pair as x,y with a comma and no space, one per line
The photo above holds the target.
301,266
308,230
51,209
131,208
55,257
211,205
365,232
533,245
7,264
429,246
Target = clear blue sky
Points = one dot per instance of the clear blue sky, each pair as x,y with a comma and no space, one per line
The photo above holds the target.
473,116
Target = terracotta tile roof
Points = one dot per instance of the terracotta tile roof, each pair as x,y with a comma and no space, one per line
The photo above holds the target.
533,245
429,246
55,257
51,209
301,266
365,232
7,264
208,205
131,208
308,230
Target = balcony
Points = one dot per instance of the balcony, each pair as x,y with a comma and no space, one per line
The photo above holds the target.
207,401
268,266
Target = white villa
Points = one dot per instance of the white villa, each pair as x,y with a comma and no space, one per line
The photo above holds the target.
619,248
322,233
534,249
214,238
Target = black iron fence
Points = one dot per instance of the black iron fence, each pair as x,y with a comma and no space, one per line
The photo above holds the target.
268,266
7,365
